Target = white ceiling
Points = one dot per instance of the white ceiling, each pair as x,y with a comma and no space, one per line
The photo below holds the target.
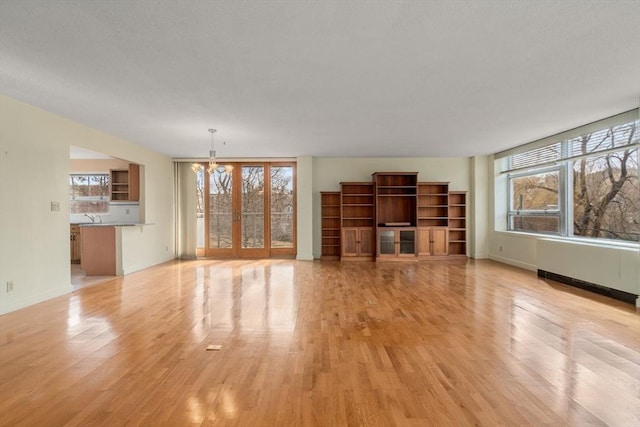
324,78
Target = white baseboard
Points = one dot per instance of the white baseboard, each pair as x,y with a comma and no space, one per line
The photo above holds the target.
514,262
9,306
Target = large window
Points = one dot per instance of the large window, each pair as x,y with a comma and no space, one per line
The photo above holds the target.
89,193
580,183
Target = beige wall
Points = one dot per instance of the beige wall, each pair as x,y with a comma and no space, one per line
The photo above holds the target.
305,224
96,165
34,240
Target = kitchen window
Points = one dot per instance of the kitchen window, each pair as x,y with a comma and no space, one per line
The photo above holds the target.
89,193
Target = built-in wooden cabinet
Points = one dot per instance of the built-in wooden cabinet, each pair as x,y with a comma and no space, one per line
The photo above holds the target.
396,242
357,219
433,204
75,243
458,223
357,243
125,184
394,217
433,219
330,201
395,198
433,241
396,213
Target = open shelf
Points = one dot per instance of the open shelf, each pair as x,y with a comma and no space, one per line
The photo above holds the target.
331,242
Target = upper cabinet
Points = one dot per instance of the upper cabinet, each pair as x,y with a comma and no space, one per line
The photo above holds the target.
125,184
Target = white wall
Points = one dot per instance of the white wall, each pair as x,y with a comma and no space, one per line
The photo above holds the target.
328,172
34,171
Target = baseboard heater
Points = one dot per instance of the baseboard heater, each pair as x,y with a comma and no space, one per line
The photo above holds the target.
599,289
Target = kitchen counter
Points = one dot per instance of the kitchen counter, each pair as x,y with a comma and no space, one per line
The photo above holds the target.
98,256
109,224
101,252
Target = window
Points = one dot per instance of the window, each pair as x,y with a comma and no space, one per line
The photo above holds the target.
535,201
583,182
89,193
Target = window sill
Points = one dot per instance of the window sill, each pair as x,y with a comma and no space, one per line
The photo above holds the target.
576,240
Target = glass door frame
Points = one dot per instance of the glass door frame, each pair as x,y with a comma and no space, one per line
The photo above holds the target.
236,250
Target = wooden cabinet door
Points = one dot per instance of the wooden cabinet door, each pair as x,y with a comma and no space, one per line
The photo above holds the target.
350,240
439,241
424,241
75,244
433,241
366,242
357,241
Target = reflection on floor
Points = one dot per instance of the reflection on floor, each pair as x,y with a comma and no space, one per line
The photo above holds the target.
80,280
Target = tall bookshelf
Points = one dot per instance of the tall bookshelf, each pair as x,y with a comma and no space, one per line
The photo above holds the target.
330,225
458,223
433,219
358,220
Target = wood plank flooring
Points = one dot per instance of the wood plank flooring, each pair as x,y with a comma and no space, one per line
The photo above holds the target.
322,344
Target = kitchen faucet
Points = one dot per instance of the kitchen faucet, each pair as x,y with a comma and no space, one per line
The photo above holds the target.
93,218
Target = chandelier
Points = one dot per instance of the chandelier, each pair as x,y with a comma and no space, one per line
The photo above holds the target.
213,163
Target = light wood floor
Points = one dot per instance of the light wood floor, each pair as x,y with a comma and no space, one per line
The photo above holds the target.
79,278
322,343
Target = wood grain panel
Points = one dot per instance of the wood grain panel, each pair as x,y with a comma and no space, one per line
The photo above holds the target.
98,250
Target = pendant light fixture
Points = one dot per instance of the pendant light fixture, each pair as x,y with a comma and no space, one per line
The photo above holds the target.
213,163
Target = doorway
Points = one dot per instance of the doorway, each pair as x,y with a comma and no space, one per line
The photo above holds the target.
248,210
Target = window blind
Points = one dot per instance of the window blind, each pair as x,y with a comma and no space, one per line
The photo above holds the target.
603,136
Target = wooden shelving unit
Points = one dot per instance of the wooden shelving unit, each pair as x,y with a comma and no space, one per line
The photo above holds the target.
433,204
433,219
125,184
458,223
119,185
394,217
358,220
396,194
330,225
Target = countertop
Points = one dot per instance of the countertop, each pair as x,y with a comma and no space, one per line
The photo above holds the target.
109,224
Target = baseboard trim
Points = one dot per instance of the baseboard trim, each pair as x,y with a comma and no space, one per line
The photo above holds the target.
592,287
515,263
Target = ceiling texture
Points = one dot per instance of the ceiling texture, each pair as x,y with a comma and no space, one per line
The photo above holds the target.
324,78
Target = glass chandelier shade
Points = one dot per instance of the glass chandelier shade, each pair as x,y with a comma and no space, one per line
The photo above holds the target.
213,163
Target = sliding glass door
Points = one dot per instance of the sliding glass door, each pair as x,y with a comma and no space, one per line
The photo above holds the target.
249,211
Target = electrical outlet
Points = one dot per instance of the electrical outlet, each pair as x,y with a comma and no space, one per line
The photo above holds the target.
126,211
10,286
55,206
500,248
